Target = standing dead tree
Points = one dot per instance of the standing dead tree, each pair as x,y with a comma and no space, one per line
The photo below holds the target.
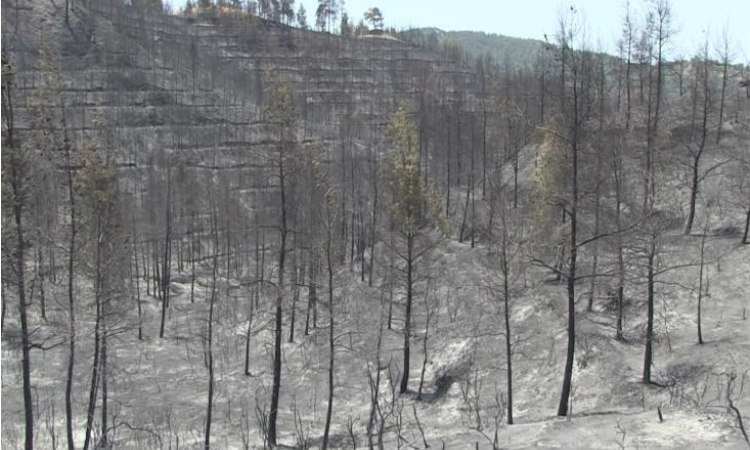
507,243
414,209
210,323
96,180
649,245
697,150
281,113
16,172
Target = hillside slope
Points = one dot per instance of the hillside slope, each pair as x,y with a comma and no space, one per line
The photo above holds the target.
177,149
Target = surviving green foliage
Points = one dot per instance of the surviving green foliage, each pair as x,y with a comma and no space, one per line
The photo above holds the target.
415,204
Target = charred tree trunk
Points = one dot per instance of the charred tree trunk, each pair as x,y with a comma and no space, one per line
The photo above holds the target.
276,387
693,195
95,377
25,341
312,296
448,172
295,295
192,259
71,298
253,301
331,354
701,269
747,226
407,315
620,272
166,264
373,226
390,283
484,149
648,354
697,154
374,387
17,187
571,281
209,335
506,313
103,443
725,67
248,333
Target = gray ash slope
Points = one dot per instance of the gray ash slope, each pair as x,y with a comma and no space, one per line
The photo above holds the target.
188,93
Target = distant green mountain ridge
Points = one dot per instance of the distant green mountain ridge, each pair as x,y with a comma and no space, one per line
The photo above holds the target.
516,52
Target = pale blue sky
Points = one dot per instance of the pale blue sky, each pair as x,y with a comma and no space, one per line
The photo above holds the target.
534,18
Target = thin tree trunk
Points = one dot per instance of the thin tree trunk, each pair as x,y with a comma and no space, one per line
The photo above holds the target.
157,287
506,310
295,296
459,170
71,301
276,387
627,86
648,354
331,354
4,300
725,67
374,386
484,150
145,251
373,229
407,316
343,203
362,246
192,259
167,256
472,184
25,341
659,81
698,154
620,271
97,341
700,280
595,251
39,273
448,180
570,356
424,347
209,337
104,425
747,226
694,108
390,284
648,173
352,226
693,197
463,220
20,258
253,301
137,282
248,333
312,295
